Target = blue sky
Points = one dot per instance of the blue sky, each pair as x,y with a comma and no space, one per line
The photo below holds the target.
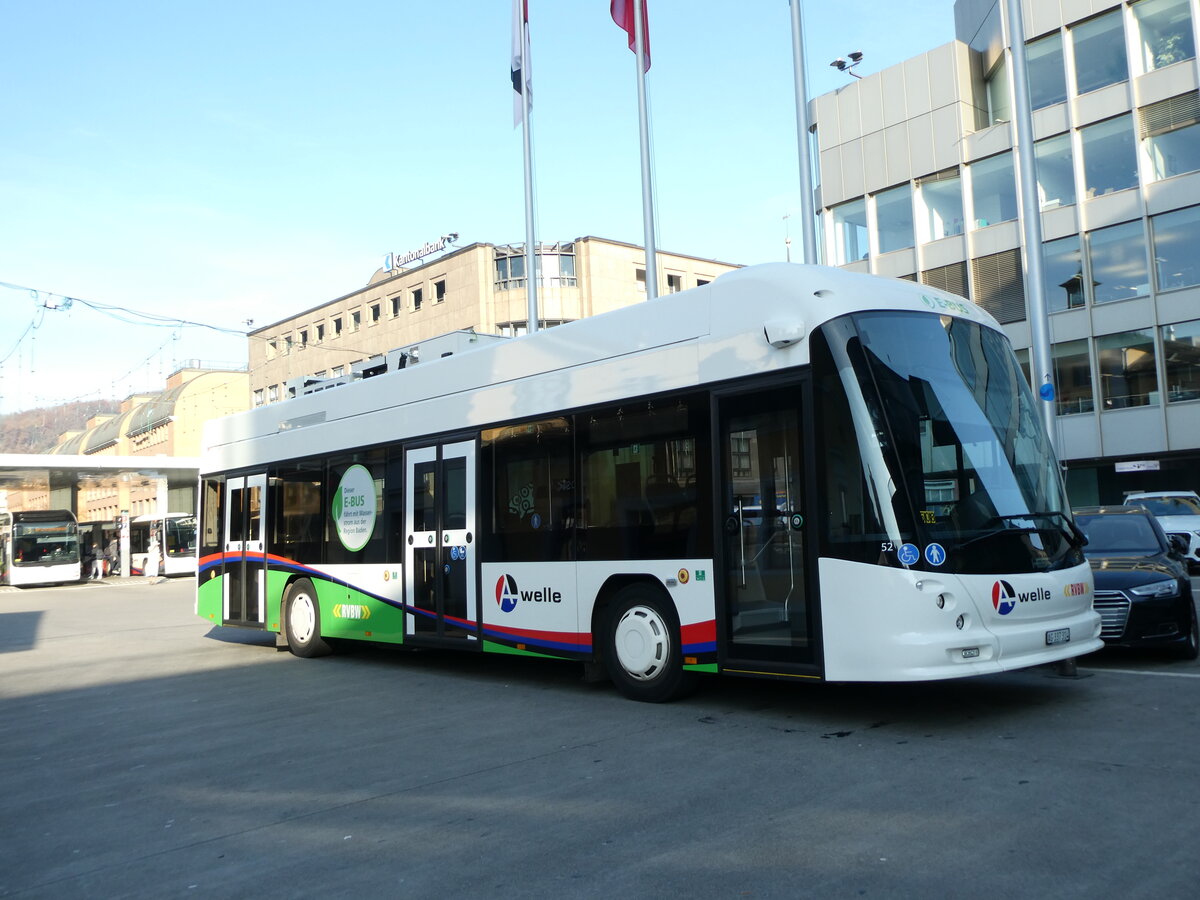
224,161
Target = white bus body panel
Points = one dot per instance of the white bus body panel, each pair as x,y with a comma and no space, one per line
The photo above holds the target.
884,624
28,576
679,341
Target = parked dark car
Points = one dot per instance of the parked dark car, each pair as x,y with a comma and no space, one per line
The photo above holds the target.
1143,592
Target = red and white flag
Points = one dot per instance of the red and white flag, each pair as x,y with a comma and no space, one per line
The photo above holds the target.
521,79
622,13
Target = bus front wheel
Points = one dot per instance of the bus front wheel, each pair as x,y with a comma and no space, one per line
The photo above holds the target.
302,619
641,647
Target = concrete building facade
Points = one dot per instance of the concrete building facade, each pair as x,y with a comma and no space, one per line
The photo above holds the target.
918,180
480,287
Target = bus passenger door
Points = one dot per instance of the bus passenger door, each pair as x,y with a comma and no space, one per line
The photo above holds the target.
768,603
440,547
245,574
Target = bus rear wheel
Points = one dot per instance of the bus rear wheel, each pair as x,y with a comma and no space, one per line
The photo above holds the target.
302,620
641,647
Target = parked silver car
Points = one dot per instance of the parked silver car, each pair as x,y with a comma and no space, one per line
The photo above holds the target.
1178,512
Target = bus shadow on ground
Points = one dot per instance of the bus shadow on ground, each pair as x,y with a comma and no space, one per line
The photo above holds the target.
18,631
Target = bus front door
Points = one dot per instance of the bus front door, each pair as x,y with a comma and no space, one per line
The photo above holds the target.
245,575
768,608
440,547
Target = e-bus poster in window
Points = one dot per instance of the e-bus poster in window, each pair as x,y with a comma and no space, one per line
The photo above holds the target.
354,508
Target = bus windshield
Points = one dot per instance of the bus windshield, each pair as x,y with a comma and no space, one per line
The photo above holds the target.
955,458
45,543
181,536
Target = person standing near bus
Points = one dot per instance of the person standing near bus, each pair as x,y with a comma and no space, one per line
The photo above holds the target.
113,556
152,557
97,563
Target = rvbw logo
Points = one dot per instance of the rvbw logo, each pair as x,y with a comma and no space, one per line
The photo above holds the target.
1005,599
508,594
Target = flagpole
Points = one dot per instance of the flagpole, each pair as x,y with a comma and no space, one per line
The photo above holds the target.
808,213
531,278
639,38
1040,362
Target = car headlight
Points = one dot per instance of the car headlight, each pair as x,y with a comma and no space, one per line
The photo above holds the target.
1168,588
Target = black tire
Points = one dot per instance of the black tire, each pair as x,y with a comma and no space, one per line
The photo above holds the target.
641,646
1190,649
302,620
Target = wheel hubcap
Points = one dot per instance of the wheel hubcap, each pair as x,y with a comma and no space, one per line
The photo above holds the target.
302,618
642,643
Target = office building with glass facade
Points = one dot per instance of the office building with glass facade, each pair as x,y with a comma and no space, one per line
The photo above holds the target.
918,179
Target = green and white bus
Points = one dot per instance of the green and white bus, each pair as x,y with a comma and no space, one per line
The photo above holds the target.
791,472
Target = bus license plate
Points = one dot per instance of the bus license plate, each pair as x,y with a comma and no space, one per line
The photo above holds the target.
1058,636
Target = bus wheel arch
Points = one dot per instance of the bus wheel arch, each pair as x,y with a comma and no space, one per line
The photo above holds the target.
301,620
638,634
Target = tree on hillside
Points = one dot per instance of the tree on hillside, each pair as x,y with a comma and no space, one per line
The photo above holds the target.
38,430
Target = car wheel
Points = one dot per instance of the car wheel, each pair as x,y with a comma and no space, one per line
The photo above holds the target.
641,647
302,620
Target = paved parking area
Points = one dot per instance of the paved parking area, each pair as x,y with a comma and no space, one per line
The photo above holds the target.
146,754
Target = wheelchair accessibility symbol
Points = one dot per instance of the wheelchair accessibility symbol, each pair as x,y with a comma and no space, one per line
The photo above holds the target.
908,554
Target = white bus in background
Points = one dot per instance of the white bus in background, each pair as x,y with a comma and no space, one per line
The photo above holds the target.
39,547
175,537
792,472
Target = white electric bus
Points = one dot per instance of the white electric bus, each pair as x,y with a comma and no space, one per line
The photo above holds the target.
173,534
39,547
792,472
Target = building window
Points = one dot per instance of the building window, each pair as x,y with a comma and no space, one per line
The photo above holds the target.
850,231
998,96
258,397
951,278
640,277
940,201
894,218
1000,286
337,326
1117,262
287,345
375,311
1062,273
303,338
1176,239
273,393
320,332
1164,32
993,190
1072,378
1055,172
674,283
417,297
1127,369
1181,360
395,304
272,349
510,270
439,291
1109,156
355,320
700,282
1047,77
1170,133
1100,58
556,265
337,371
